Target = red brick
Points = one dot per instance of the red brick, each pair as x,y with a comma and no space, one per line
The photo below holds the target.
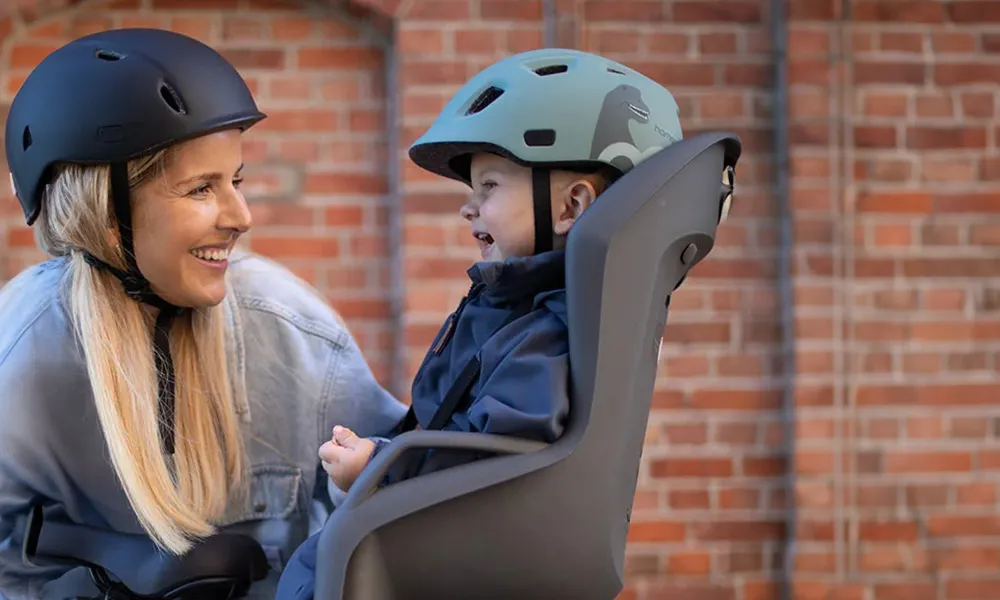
876,137
421,41
916,11
21,237
903,43
347,216
511,10
905,591
195,4
437,72
689,499
439,10
657,531
692,467
255,58
940,138
339,58
927,462
344,183
300,120
271,4
243,29
882,558
291,28
523,40
934,106
988,202
383,8
281,215
888,531
954,74
738,531
623,10
913,202
689,563
739,499
27,56
884,73
953,42
972,11
978,104
991,43
295,247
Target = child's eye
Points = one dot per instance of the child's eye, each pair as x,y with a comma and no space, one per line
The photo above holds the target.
489,185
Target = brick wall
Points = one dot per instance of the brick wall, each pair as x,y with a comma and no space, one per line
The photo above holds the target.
896,194
895,191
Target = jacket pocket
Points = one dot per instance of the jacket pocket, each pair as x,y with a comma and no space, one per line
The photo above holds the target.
274,492
269,510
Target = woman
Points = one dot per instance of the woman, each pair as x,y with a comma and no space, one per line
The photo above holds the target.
151,381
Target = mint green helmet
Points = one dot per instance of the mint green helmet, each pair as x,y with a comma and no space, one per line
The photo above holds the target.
547,109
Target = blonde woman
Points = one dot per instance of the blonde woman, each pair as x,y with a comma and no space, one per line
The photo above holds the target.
151,381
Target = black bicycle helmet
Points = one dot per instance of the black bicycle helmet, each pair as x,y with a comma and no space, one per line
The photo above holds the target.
111,97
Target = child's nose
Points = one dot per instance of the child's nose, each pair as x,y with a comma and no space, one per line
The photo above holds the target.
468,212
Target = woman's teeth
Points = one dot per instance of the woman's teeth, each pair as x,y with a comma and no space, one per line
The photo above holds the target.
212,254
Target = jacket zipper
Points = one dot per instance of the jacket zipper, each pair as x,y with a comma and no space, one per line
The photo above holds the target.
452,321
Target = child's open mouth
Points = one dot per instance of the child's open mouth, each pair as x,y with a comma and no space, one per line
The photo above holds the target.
484,240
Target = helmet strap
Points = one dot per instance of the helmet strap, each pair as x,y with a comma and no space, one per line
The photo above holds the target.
542,199
138,288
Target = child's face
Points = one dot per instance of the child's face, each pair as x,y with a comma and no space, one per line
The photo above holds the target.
501,212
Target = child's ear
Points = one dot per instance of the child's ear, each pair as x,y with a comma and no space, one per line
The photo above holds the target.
578,197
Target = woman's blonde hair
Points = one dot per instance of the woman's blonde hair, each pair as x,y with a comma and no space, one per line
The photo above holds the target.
176,499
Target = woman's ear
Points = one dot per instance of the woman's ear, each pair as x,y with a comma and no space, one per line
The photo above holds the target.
578,196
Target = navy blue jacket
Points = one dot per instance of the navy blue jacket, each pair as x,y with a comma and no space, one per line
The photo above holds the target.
522,389
523,385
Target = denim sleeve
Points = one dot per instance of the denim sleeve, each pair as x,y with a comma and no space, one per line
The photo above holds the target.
357,401
30,471
15,499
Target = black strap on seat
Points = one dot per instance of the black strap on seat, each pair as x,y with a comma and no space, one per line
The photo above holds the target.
457,398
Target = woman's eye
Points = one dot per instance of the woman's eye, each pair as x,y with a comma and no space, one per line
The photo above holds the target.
237,182
201,190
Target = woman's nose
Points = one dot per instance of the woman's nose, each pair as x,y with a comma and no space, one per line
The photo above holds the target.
235,214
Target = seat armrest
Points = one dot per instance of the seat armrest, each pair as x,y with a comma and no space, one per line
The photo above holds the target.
368,480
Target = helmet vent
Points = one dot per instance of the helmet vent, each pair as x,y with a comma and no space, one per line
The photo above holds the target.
26,137
540,137
551,70
172,99
616,71
488,97
109,55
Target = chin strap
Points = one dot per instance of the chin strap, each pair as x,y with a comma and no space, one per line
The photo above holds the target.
137,287
542,199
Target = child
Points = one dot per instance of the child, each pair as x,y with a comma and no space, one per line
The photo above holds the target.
537,137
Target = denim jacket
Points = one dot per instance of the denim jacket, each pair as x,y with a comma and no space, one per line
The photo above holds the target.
303,374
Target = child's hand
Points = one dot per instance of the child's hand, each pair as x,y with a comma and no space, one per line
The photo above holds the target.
345,456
